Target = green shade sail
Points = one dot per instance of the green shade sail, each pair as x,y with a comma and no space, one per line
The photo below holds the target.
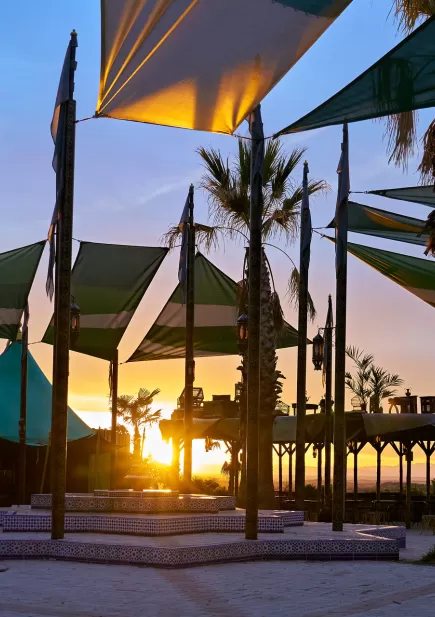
373,222
38,402
414,274
108,281
17,271
403,80
424,195
215,320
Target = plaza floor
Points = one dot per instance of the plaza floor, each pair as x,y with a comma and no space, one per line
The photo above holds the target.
261,589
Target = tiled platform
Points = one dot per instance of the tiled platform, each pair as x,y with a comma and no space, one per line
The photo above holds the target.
149,525
313,541
138,503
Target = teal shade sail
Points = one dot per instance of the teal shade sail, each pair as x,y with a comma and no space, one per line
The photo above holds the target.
39,396
424,195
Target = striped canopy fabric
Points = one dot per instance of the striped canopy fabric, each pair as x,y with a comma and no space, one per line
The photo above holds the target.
108,281
201,64
215,320
403,80
382,224
414,274
424,195
17,271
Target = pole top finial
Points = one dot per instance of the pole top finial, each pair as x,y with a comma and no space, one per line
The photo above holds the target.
73,32
305,162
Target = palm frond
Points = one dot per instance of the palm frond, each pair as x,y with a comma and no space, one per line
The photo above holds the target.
402,137
293,292
284,167
243,164
409,12
172,237
427,165
277,312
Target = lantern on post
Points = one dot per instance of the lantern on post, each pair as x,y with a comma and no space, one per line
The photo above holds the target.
242,333
75,322
318,345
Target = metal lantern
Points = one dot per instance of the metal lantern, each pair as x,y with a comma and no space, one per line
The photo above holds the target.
75,321
318,344
242,332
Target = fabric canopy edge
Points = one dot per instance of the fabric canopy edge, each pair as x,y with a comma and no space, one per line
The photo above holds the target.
297,126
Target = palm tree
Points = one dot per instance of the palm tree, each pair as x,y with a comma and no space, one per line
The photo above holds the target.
136,411
401,129
228,192
359,383
382,385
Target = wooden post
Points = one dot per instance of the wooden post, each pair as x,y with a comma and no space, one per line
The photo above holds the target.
254,314
189,375
328,415
113,432
23,417
409,457
280,470
319,477
290,470
355,473
340,344
378,473
301,395
63,317
401,470
428,453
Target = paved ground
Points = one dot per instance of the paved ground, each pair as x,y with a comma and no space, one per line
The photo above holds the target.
278,589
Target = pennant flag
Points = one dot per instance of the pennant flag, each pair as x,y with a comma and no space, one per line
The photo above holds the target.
201,65
328,325
403,80
414,274
215,320
307,232
382,224
184,228
424,195
17,271
341,212
108,281
58,132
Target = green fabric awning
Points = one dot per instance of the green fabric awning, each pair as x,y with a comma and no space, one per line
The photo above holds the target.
215,320
108,281
382,224
403,80
414,274
17,271
424,195
38,402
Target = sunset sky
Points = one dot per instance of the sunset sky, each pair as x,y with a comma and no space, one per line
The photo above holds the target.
131,184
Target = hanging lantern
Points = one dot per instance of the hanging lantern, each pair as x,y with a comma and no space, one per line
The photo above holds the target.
75,322
377,439
318,344
242,333
314,452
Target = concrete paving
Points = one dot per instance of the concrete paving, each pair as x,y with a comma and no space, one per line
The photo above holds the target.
278,589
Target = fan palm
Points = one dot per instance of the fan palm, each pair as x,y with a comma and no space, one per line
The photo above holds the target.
228,192
359,383
382,385
401,129
136,411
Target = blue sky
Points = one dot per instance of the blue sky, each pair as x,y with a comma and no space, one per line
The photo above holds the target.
132,179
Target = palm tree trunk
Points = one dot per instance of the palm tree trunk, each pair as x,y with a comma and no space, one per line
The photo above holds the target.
268,393
136,445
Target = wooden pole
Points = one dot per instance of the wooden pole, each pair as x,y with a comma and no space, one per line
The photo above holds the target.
408,485
355,473
340,347
189,375
254,314
378,473
23,417
290,470
63,318
428,453
319,477
113,432
301,395
280,469
328,415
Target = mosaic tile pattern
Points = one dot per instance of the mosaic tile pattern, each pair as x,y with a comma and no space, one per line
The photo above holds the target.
145,526
132,493
397,533
197,555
